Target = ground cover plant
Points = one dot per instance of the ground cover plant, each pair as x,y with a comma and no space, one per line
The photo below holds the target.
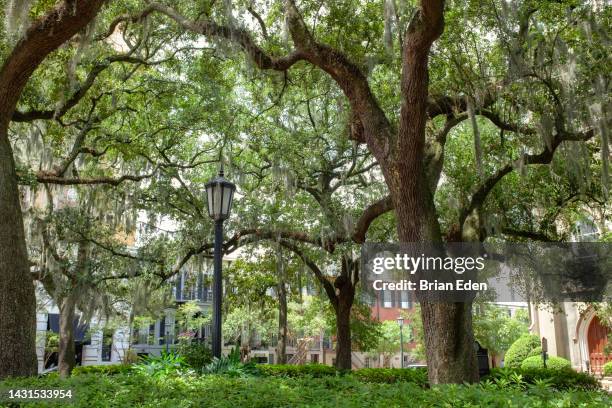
137,390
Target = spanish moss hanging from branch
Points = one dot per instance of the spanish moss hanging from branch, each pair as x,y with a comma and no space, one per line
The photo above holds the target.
476,131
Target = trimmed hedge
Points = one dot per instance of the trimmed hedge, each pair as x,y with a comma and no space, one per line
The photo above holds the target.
369,375
294,371
111,369
552,363
416,376
527,345
562,379
607,369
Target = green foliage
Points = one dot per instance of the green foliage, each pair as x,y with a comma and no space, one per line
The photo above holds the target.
196,354
370,375
162,366
607,368
413,317
110,369
122,390
552,363
244,320
389,339
193,94
190,318
231,366
364,327
51,341
561,379
416,376
525,346
309,317
306,370
496,331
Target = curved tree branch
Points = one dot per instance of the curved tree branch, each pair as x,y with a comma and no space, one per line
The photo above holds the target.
368,216
543,157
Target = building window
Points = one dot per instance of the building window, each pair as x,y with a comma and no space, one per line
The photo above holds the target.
405,299
146,335
314,358
387,299
162,330
107,344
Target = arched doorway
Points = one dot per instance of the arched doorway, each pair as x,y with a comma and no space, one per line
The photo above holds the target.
597,338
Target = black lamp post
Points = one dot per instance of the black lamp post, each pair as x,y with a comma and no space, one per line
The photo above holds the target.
219,194
400,321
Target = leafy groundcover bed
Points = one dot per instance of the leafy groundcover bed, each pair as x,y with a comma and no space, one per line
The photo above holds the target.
136,390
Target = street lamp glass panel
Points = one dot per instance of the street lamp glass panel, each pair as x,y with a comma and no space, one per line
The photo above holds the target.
219,193
400,321
226,202
209,194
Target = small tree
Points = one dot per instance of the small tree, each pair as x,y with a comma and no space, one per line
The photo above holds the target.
190,319
495,330
389,341
416,333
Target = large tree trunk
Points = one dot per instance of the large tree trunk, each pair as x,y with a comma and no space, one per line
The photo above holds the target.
17,299
343,332
281,347
67,353
449,342
345,295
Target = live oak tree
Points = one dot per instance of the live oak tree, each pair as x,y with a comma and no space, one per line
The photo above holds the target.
535,73
73,271
101,151
333,184
17,304
410,162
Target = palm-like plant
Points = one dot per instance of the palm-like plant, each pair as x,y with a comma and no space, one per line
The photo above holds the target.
164,365
231,365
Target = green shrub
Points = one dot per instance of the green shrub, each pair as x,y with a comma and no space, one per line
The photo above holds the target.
561,379
552,363
293,371
110,369
196,355
134,390
164,365
231,366
607,369
392,375
369,375
525,346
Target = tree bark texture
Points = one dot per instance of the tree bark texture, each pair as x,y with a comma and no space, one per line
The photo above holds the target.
67,353
345,295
